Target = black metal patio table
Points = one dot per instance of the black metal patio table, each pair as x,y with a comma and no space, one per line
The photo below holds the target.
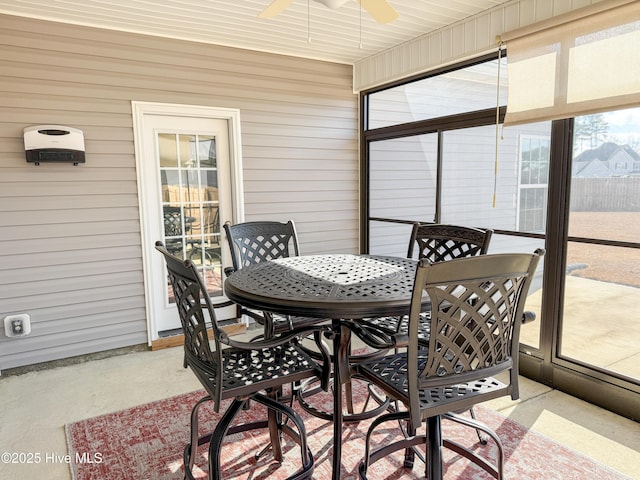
336,287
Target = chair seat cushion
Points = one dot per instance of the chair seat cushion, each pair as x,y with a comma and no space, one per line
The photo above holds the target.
390,373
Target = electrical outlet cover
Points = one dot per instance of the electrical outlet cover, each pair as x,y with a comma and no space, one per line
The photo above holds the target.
22,318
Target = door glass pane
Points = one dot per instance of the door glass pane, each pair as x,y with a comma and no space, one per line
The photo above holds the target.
402,182
190,203
167,150
207,151
602,287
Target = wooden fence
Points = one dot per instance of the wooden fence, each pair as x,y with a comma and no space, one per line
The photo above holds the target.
612,194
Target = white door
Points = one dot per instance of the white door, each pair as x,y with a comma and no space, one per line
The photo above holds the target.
189,183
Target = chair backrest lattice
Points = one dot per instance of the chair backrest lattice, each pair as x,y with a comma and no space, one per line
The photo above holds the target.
477,305
254,242
438,242
172,223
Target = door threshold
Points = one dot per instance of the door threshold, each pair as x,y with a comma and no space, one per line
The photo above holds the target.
174,338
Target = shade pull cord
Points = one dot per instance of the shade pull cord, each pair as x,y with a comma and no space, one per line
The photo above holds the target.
495,165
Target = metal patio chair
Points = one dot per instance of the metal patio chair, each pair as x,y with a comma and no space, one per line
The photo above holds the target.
254,242
436,243
240,371
476,311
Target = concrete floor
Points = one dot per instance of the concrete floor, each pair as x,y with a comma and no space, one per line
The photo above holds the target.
36,406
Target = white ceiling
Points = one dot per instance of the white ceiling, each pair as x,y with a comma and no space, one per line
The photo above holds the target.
306,28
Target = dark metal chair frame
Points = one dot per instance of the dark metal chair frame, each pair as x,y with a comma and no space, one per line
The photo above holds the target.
436,243
240,371
255,242
477,306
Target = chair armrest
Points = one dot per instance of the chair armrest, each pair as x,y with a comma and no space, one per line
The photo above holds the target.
528,317
401,340
229,270
286,337
222,304
372,336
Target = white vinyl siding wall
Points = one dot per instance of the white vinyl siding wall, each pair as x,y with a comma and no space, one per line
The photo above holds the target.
70,252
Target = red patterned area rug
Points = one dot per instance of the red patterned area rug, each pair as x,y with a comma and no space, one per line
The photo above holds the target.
146,443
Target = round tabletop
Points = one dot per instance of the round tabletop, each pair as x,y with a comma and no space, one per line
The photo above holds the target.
326,286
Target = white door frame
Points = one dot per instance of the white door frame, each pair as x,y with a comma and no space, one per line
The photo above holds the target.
142,109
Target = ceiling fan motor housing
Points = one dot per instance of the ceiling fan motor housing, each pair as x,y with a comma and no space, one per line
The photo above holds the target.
332,3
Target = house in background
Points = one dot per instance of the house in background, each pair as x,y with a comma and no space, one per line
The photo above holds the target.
608,160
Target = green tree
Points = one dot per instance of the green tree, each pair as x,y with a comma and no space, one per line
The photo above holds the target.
590,131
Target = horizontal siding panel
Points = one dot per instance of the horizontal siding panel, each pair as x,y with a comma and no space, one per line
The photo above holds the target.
61,286
299,178
305,211
324,246
102,44
335,108
298,195
74,315
70,236
277,132
55,244
53,173
23,98
62,270
126,332
65,202
77,215
304,158
302,142
80,119
303,163
32,232
84,254
315,118
59,298
35,188
69,324
182,82
96,160
188,68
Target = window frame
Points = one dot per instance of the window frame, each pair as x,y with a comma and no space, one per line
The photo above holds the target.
543,364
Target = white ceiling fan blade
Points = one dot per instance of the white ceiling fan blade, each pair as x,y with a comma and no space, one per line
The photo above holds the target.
276,8
381,10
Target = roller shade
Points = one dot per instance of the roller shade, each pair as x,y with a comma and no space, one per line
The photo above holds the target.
583,62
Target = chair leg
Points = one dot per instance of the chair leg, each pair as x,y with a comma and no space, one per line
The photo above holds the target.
409,453
274,434
217,437
299,436
191,449
434,448
482,438
495,470
370,457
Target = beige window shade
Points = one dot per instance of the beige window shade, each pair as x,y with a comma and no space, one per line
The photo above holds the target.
584,62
